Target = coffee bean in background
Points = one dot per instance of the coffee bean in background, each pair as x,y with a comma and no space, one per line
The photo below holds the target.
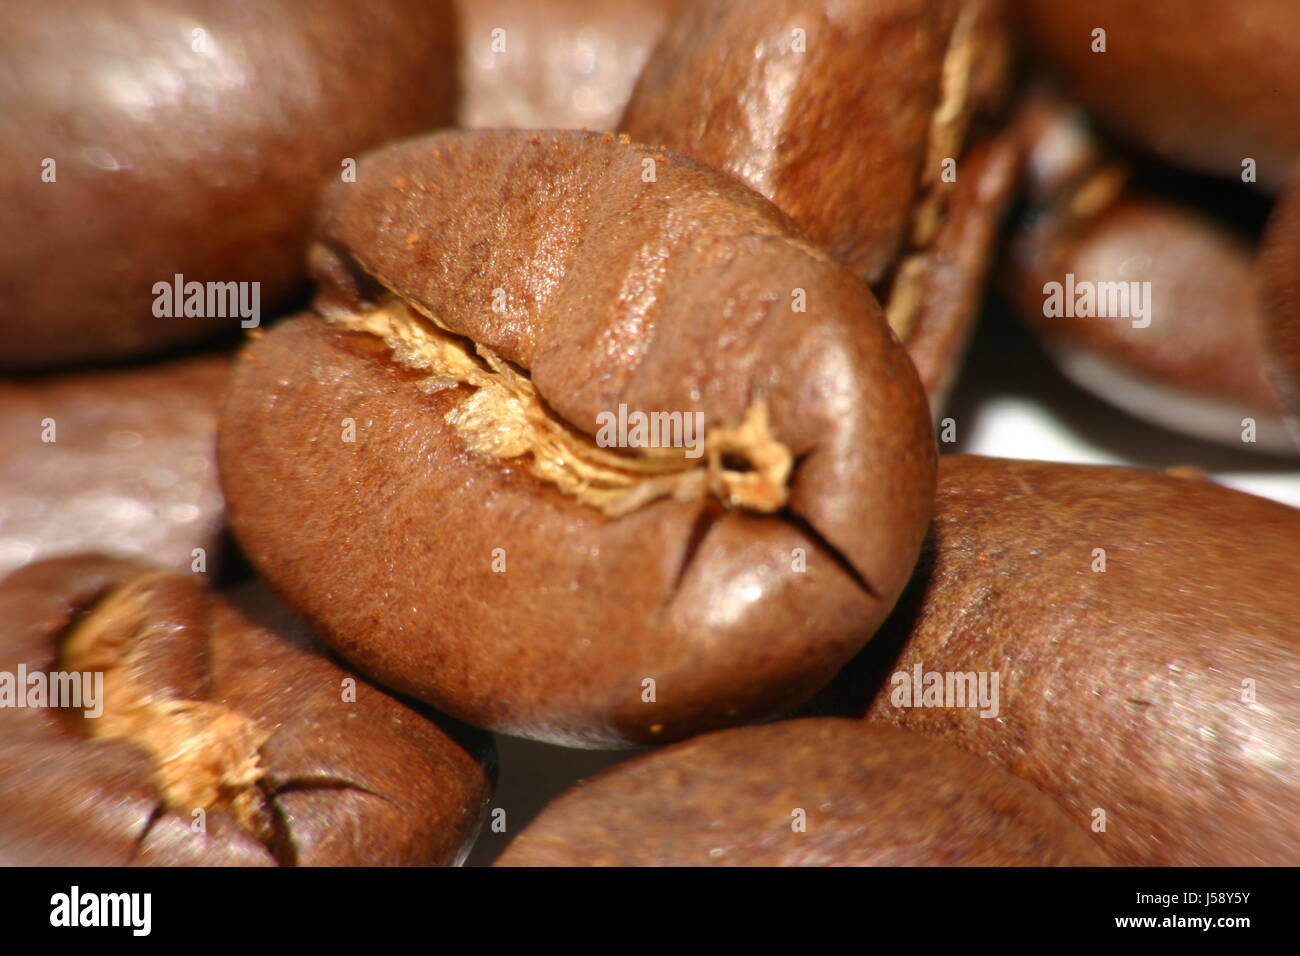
211,702
419,470
811,792
145,139
1280,266
1200,83
120,460
1142,629
1143,284
870,162
558,64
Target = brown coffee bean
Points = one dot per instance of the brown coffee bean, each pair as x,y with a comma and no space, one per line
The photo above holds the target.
812,792
121,460
1154,308
140,140
1280,276
214,703
1143,632
852,117
935,299
494,300
558,64
1202,83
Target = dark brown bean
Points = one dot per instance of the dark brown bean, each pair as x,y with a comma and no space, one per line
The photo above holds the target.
214,703
474,546
811,792
1143,630
187,138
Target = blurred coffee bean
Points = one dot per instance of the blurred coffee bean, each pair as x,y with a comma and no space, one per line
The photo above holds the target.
121,460
220,734
1280,270
142,140
810,792
433,471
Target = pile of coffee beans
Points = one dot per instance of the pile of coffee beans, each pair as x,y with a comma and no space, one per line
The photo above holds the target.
509,431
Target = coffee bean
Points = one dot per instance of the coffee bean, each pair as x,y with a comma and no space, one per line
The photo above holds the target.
145,139
1200,83
1150,300
1180,343
857,134
470,542
812,792
560,64
1143,633
218,703
120,460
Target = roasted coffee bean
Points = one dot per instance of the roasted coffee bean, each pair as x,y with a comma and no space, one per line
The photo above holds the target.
121,461
934,302
852,117
1142,632
426,471
1280,270
1154,308
554,64
220,734
1202,83
141,140
811,792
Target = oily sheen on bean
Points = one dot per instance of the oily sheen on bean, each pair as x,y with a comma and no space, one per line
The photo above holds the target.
225,735
809,792
485,298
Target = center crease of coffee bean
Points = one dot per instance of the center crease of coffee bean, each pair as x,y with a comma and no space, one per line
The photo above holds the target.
745,466
205,756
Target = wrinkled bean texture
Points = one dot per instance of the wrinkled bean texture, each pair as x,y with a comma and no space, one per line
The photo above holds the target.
465,579
231,708
869,796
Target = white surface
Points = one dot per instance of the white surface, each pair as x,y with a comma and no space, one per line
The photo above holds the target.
1012,403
